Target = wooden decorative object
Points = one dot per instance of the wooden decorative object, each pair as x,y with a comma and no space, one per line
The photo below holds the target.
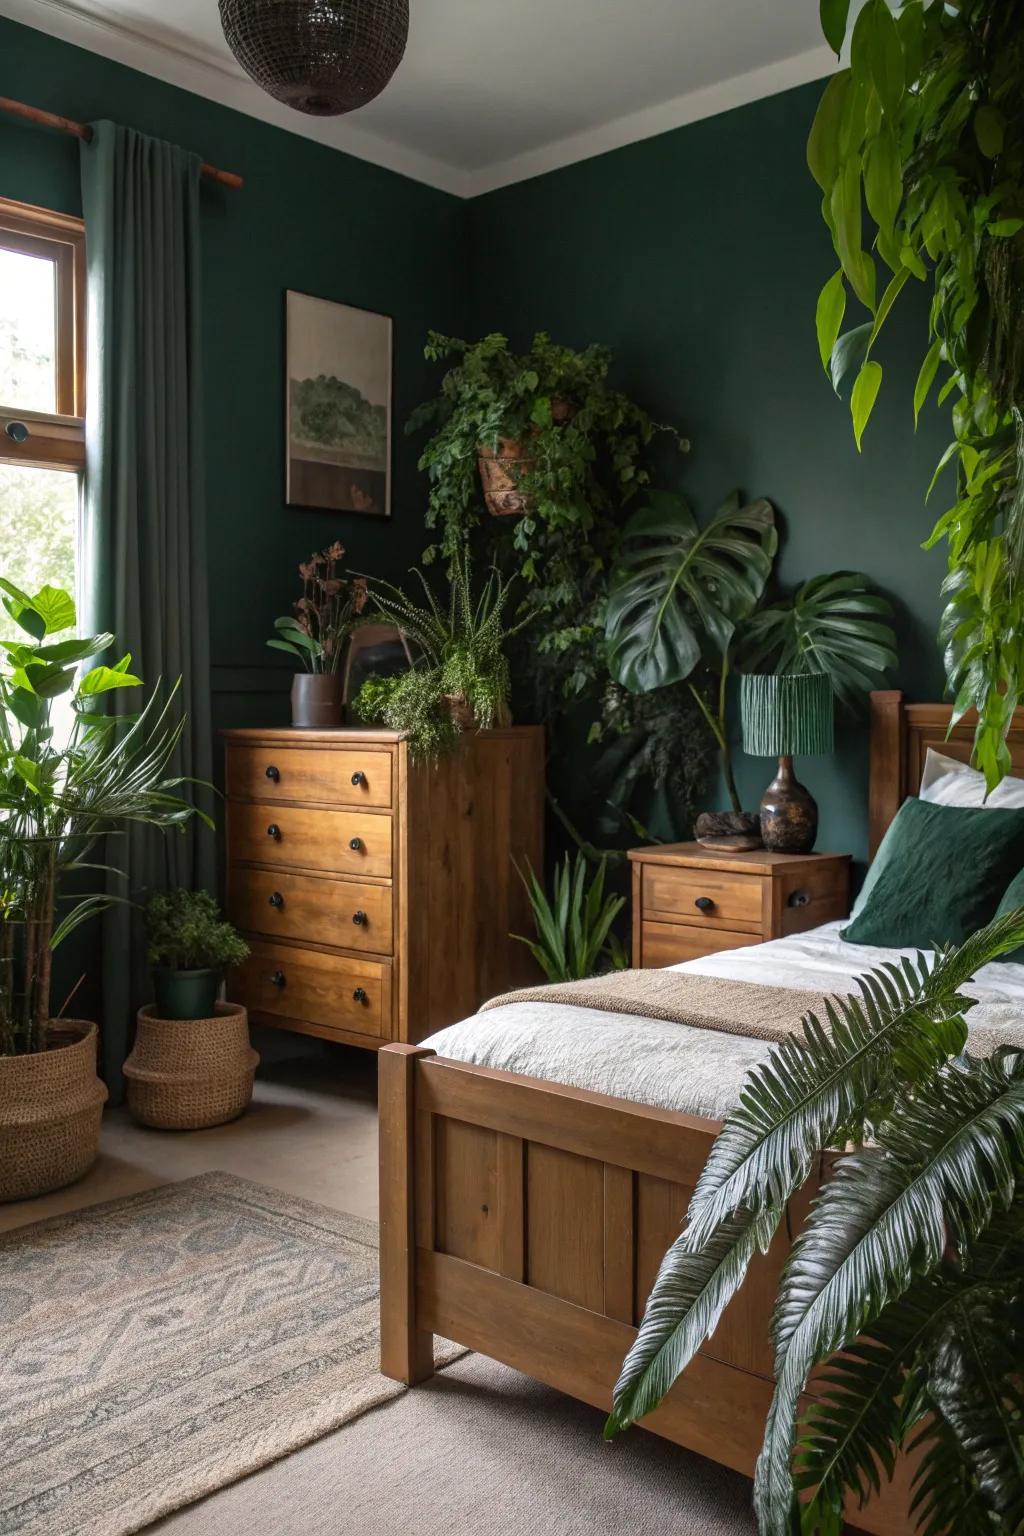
689,900
377,895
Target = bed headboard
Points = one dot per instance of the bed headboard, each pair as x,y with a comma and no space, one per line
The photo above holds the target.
900,737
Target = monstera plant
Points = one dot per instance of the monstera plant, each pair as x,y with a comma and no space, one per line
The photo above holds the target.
926,128
908,1276
685,605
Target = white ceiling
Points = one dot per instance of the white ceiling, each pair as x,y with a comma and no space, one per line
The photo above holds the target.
490,91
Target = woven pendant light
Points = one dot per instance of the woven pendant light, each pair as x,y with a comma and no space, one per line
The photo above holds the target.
323,57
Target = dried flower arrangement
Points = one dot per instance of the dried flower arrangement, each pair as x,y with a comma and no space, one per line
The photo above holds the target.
325,613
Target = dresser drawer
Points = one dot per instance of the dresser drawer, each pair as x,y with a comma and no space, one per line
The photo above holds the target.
736,900
341,842
672,943
347,913
331,991
335,776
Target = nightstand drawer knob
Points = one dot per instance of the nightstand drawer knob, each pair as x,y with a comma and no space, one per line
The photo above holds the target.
355,843
277,979
359,995
704,904
273,773
274,831
800,899
359,918
359,777
277,900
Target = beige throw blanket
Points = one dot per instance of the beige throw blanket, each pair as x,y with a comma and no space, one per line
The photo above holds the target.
703,1002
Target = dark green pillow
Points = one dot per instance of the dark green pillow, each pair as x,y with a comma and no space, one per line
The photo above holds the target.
1013,898
938,875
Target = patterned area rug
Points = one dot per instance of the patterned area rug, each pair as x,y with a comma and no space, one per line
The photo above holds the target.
159,1347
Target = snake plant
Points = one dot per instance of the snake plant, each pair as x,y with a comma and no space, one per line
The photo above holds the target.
908,1276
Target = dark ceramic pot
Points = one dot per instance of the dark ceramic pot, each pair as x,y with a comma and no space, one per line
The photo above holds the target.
316,700
185,994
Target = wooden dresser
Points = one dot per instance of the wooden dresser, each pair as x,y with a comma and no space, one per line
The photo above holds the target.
378,896
690,901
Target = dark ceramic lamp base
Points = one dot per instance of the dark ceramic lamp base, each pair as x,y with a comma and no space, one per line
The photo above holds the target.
789,814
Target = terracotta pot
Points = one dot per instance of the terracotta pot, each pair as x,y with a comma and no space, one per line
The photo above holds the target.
186,1074
461,711
502,468
51,1105
316,700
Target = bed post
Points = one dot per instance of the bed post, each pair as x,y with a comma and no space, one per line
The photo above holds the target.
406,1354
885,792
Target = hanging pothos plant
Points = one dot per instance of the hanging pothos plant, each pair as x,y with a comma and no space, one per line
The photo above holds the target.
926,126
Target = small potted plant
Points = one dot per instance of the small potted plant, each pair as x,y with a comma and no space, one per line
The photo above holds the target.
192,1065
317,635
189,947
460,678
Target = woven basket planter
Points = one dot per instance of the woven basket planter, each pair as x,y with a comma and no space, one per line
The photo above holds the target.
186,1074
51,1105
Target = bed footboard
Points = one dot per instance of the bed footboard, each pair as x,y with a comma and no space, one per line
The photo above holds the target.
527,1221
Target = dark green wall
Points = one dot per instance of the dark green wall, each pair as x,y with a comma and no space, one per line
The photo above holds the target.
697,257
308,218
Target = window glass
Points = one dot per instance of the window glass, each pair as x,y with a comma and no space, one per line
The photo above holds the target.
28,332
38,524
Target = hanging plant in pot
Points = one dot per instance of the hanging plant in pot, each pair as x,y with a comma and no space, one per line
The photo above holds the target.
56,801
192,1065
317,635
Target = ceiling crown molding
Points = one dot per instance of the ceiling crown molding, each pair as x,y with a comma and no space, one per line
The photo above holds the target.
157,51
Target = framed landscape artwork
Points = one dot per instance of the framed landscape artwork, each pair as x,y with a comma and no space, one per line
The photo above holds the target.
338,362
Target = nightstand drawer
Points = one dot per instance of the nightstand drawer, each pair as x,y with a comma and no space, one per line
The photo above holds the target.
672,943
351,777
735,900
347,913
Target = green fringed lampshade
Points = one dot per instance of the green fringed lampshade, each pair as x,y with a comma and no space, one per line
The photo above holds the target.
787,716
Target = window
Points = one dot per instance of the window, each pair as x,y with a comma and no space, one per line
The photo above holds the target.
42,396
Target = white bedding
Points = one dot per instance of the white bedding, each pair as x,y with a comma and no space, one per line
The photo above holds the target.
673,1066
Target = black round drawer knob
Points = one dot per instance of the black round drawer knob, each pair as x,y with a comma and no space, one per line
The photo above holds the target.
359,777
277,900
359,995
277,979
704,904
274,831
355,843
359,918
273,773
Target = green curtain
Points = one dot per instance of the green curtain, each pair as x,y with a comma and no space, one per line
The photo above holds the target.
143,543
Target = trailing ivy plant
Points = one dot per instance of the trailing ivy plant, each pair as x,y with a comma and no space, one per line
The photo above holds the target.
908,1277
926,127
586,462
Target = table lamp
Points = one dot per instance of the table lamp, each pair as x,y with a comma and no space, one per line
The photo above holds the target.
787,717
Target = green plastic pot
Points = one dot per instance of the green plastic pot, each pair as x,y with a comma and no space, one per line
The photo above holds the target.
185,994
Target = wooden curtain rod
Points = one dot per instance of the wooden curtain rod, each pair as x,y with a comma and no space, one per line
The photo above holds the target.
83,131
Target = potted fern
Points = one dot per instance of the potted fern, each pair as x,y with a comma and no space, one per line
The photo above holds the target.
460,678
909,1274
56,801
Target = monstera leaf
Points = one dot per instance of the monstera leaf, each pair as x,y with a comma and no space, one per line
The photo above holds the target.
677,581
833,624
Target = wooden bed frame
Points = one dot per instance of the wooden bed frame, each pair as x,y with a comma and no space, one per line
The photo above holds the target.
527,1220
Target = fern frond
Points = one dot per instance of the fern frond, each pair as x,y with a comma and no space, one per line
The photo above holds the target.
684,1308
946,1159
946,1495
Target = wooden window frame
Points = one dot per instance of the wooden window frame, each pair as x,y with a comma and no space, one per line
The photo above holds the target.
56,440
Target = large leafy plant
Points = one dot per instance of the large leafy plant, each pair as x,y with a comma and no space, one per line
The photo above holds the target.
185,931
925,127
58,797
685,608
908,1275
461,671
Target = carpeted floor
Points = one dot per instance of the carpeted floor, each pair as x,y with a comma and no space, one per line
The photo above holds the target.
479,1451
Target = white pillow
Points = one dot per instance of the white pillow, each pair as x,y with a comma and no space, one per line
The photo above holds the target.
946,781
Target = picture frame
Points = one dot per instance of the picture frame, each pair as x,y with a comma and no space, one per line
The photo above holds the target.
339,364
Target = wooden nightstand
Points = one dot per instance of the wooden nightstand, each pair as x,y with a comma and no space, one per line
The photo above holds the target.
690,901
